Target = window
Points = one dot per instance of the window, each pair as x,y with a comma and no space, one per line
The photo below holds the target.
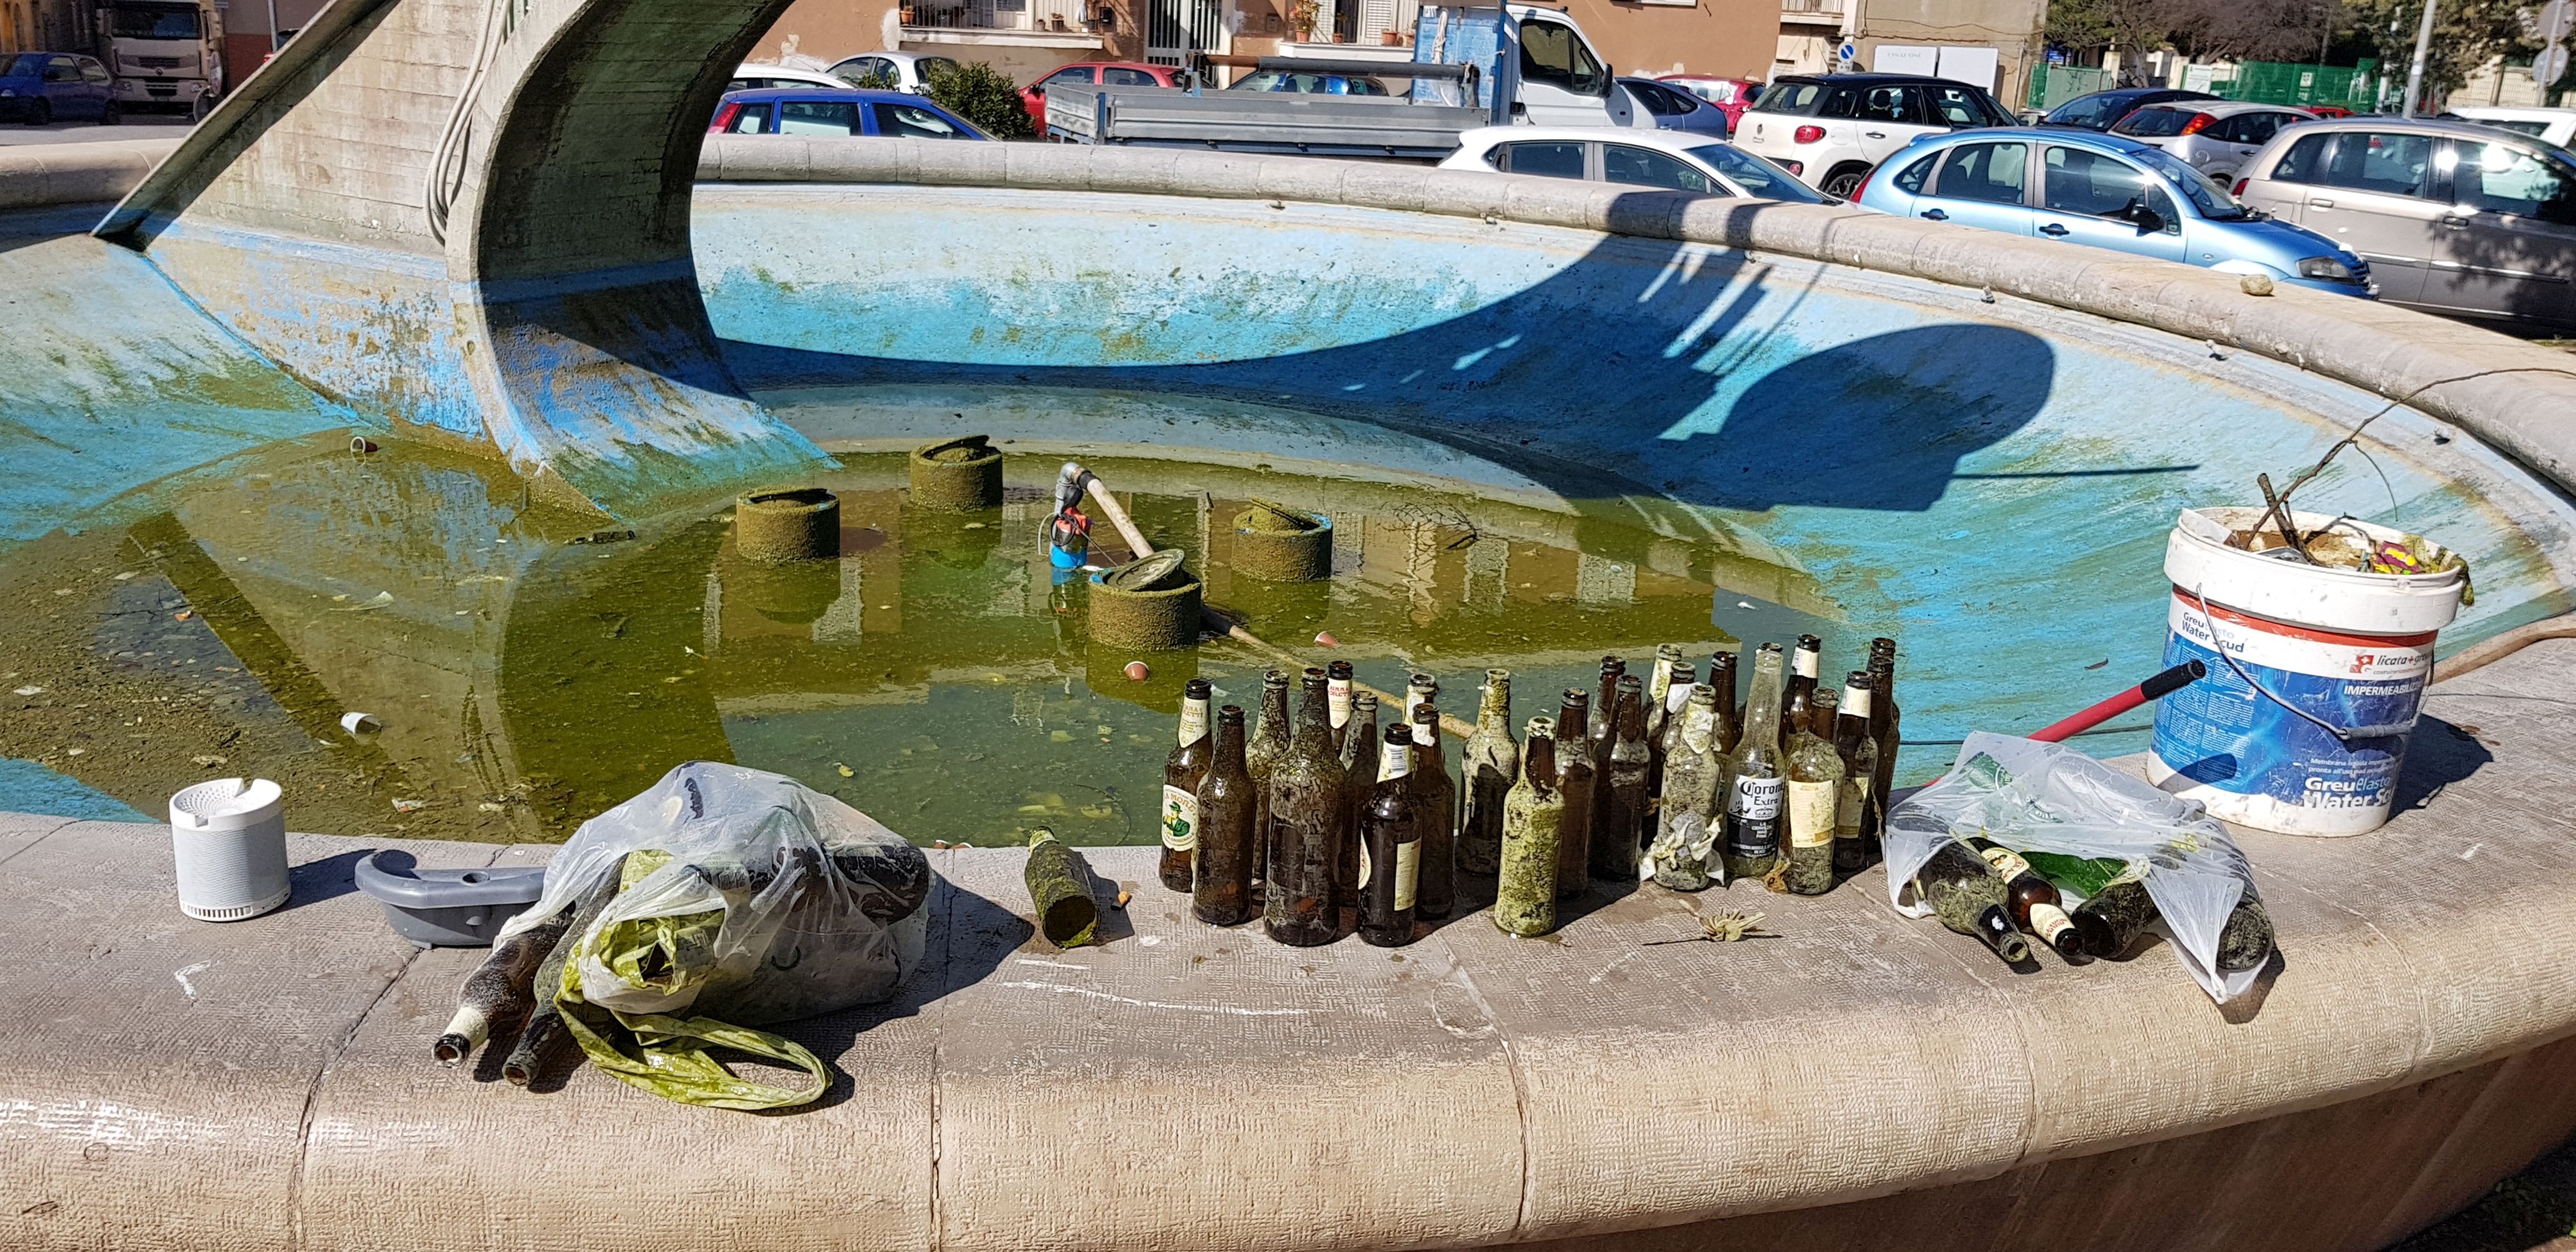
1995,173
1552,160
818,117
1897,103
1645,167
868,72
2205,194
751,119
2391,164
2498,178
2305,160
28,66
740,84
1660,102
932,67
2155,123
61,70
2095,112
1116,76
1551,54
1910,181
93,71
1793,98
2534,129
2091,184
914,122
1956,106
1077,74
1754,175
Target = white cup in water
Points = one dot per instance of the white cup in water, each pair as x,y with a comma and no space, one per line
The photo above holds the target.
229,838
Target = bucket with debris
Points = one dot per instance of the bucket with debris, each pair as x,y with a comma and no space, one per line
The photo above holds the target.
2318,635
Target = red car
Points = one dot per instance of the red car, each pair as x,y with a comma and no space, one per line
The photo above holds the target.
1105,73
1732,96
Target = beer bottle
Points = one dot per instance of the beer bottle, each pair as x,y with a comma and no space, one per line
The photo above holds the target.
1390,848
1492,764
1261,757
1420,689
2032,900
1599,729
1664,731
1182,772
1883,721
2246,941
1525,894
1965,894
1754,782
1631,760
2111,919
1309,822
1360,752
1826,703
1435,817
1578,782
1659,686
1798,703
1683,835
1855,838
1227,844
1815,785
1730,725
1337,685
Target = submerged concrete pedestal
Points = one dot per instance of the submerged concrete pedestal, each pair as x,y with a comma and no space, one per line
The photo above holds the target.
1861,1081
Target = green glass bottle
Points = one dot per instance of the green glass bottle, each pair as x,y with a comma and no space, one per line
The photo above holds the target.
1815,773
1578,782
1435,817
1310,820
1884,719
1756,784
1525,893
1492,765
1855,837
1965,894
1685,836
1261,758
1390,845
1182,772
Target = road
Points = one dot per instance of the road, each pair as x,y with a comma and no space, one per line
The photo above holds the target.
136,126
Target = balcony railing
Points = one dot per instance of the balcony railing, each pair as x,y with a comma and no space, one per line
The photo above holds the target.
1812,6
1033,15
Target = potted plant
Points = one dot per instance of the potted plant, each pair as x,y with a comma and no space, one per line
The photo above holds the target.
1301,18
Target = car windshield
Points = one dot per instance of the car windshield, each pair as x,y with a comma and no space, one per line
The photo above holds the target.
1797,99
1758,178
2211,199
2090,112
30,65
2155,122
155,22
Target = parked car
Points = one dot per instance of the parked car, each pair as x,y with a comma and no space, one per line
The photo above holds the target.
1103,73
1310,84
841,111
2557,126
2213,137
894,71
2456,217
751,76
1671,108
1732,96
1667,160
41,87
1833,131
2106,192
2103,110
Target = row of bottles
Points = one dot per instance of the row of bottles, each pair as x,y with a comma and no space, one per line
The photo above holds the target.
1980,888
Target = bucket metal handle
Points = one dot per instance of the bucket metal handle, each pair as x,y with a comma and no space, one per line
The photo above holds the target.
2341,734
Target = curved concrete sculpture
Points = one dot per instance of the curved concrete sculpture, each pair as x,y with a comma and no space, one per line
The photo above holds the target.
1862,1081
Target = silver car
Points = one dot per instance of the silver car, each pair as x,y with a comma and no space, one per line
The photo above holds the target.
2212,136
2452,217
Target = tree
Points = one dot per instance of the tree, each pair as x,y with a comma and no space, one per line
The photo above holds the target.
2252,30
2466,34
984,96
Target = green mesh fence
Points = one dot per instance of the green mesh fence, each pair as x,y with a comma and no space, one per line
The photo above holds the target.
2277,82
2054,85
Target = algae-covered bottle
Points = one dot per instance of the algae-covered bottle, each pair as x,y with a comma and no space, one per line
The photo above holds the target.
1491,765
1630,811
1815,773
1754,784
1798,699
1227,845
1664,725
1261,758
1182,773
1579,783
2031,901
1390,845
1309,820
1359,782
1525,894
1856,806
1337,687
1659,684
1965,894
1683,836
1435,817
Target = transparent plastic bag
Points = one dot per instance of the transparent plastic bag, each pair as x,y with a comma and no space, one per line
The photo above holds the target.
2051,799
746,898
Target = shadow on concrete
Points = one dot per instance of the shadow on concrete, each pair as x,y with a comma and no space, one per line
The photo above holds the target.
326,879
2439,754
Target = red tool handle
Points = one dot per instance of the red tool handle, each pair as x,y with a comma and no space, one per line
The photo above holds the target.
2155,688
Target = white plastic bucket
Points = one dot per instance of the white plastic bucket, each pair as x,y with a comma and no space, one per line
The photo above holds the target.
2350,648
229,838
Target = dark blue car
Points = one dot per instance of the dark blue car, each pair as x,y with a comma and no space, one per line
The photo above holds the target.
41,87
2103,110
827,111
1675,109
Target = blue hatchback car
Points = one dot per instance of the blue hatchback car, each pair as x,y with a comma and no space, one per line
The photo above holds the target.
836,111
41,87
2104,192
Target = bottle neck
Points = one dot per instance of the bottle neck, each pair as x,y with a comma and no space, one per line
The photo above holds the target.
1495,714
1337,691
1194,720
1397,758
1661,683
1229,737
1762,717
1538,762
1856,700
1572,715
1632,714
1699,720
1314,724
1274,708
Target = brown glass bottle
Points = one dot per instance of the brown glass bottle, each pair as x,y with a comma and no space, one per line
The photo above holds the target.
1798,699
1492,765
1261,756
1665,732
1227,844
1390,848
1884,719
1309,821
1965,894
1627,816
1525,892
2032,900
1359,781
1182,772
1579,783
1337,688
1435,817
1856,809
1599,729
1730,723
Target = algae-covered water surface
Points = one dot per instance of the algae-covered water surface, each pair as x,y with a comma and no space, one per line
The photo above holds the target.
530,667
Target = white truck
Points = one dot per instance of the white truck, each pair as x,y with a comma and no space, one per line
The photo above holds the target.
165,54
1472,66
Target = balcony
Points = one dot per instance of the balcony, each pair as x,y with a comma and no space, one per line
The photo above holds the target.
1812,12
1053,23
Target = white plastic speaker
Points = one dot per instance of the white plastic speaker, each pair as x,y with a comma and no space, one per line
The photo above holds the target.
229,836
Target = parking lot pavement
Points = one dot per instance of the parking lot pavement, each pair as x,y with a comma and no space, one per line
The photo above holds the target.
135,126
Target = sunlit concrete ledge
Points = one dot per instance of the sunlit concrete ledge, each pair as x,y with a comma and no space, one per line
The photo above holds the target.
1861,1081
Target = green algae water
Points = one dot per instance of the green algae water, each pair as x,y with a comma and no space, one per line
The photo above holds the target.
531,667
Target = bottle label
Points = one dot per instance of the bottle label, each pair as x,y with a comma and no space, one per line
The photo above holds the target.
1855,700
1699,727
1661,683
1337,694
1413,698
2050,921
1425,734
1180,820
1756,799
2008,863
1675,700
1395,762
1803,663
1850,803
1811,814
1408,872
1193,721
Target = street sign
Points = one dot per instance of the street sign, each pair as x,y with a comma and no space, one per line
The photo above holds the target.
2550,65
2557,21
1850,51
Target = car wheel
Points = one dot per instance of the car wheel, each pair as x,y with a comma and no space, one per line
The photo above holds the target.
1844,181
41,113
203,105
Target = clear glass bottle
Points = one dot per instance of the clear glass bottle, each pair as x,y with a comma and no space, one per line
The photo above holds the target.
1855,839
1659,685
1492,765
1626,818
1390,845
1525,893
1227,844
1685,834
1815,773
1665,730
1579,783
1309,820
1261,756
1182,772
1435,817
1755,782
